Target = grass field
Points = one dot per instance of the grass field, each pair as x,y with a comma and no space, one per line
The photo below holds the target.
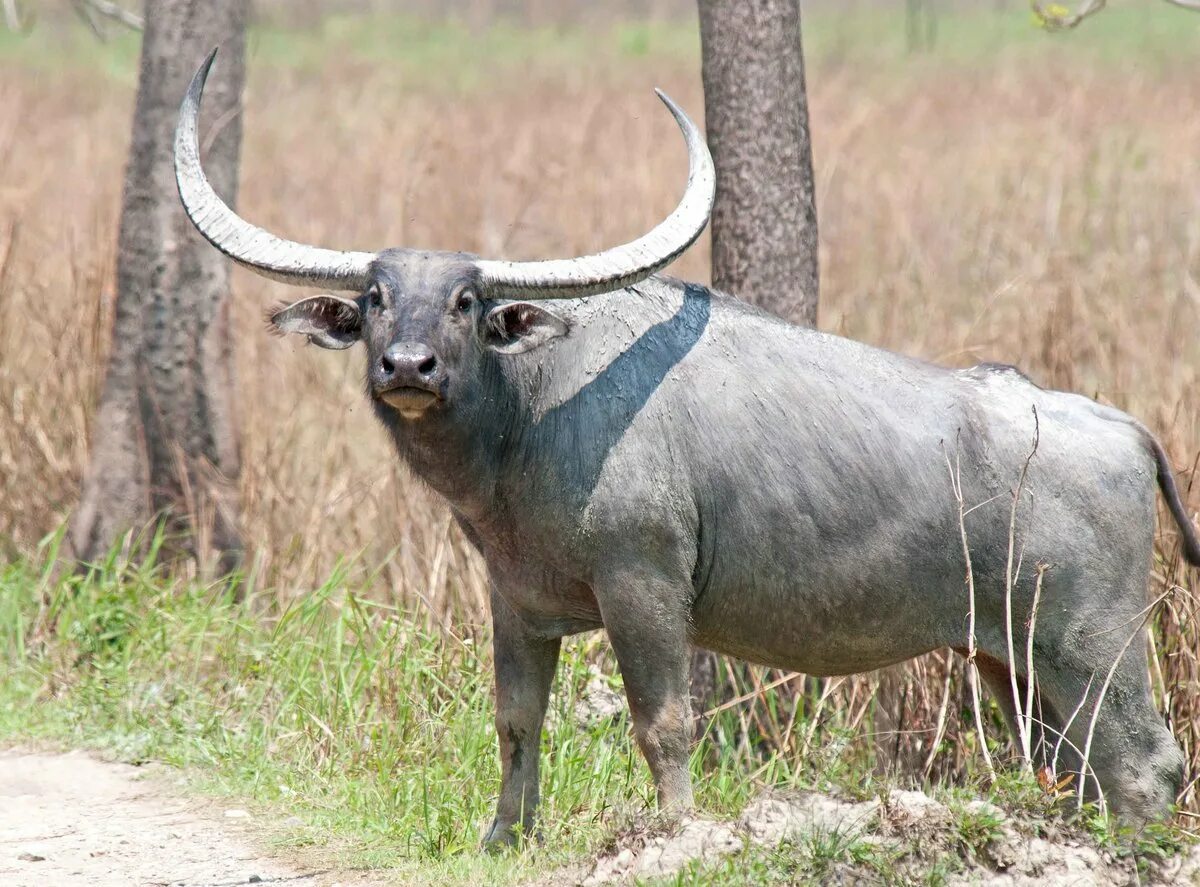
339,708
363,738
1007,195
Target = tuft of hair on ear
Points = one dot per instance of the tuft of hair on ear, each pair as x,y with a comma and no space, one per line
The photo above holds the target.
317,312
343,314
269,316
516,320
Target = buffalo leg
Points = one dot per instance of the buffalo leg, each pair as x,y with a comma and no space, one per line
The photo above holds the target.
525,663
646,620
995,674
1132,755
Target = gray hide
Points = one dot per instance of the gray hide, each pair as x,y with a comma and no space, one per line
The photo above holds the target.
676,467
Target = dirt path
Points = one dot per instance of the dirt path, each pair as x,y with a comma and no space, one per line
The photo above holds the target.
72,819
69,820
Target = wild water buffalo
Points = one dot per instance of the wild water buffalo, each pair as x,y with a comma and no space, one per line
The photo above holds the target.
669,464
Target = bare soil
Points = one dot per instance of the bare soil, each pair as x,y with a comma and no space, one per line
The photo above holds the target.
910,827
72,819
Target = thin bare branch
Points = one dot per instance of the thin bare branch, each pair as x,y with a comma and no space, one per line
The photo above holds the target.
756,692
1030,675
1024,735
93,12
972,668
1087,745
827,691
115,12
85,11
1062,738
1057,17
940,729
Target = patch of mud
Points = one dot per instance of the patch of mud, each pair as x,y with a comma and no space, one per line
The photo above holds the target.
70,820
915,829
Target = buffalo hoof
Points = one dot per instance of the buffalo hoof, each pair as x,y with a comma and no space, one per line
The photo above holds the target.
501,837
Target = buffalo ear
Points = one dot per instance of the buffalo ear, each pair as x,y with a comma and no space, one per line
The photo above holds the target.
516,327
328,321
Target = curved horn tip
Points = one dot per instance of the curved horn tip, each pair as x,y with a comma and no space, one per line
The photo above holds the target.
624,265
195,90
669,102
206,66
681,117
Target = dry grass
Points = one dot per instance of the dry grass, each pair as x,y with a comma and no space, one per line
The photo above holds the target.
1040,209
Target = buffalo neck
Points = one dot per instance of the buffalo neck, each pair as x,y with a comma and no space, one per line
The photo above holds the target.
460,451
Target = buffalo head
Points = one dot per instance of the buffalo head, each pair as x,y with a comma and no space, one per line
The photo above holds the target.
426,317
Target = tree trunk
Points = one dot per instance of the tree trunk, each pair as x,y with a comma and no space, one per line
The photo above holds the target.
164,445
920,25
764,224
912,25
11,18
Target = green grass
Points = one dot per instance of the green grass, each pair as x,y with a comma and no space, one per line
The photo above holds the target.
448,54
375,731
1153,32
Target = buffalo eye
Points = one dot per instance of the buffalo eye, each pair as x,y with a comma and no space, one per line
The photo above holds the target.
374,297
465,300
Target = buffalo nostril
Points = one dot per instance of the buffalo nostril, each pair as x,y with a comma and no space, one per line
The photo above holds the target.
427,365
387,366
